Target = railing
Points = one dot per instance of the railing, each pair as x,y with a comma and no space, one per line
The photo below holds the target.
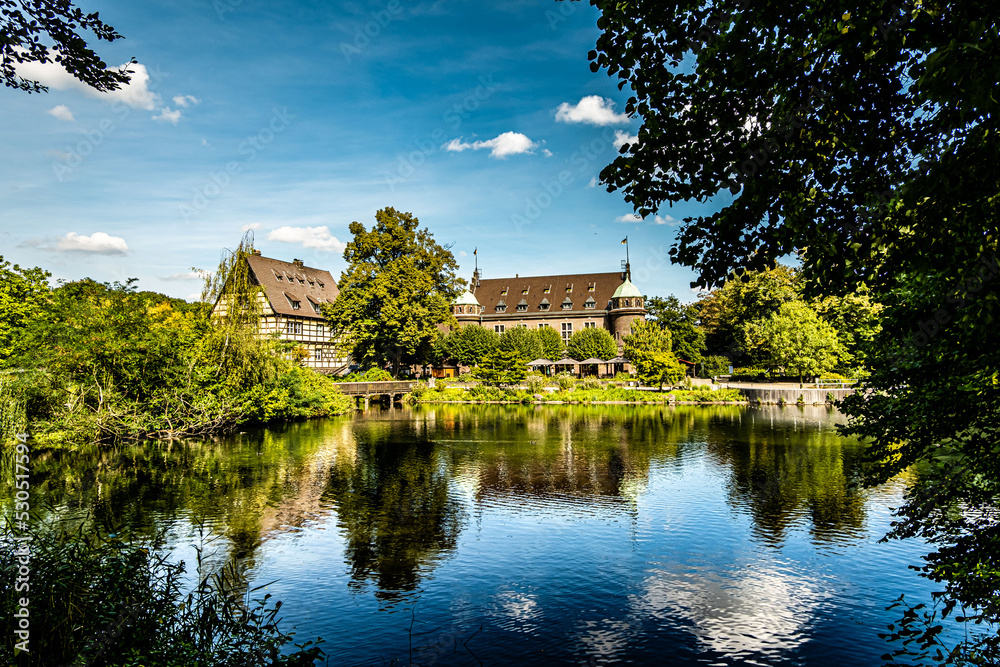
374,388
835,384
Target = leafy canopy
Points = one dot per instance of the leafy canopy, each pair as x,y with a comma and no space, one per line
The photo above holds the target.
794,340
648,348
45,31
594,342
468,344
688,338
552,343
523,341
396,290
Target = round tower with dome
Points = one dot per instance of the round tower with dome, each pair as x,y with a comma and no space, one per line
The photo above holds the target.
627,305
467,308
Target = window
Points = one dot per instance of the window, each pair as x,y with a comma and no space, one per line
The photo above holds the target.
522,306
501,306
548,288
569,288
590,325
567,304
317,354
544,305
458,310
498,328
279,277
503,292
592,286
589,303
315,307
319,329
293,327
320,284
567,331
543,325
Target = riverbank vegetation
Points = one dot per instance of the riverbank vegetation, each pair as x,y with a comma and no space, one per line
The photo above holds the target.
110,601
566,389
88,361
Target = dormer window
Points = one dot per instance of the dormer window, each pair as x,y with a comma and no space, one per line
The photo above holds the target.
592,287
524,291
589,303
503,292
548,288
569,288
544,305
501,306
295,305
320,284
279,277
567,304
522,306
315,307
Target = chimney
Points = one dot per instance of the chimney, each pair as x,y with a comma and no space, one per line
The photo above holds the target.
298,264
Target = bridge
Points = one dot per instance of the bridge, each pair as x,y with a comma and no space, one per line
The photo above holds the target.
393,390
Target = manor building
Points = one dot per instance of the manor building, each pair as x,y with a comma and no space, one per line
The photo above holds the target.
291,307
567,303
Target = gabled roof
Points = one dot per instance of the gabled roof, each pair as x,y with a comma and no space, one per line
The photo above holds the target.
284,282
488,292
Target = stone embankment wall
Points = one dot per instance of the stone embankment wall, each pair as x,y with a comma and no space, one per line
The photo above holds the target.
791,395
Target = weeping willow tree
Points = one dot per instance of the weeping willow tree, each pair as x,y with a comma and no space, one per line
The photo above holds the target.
235,348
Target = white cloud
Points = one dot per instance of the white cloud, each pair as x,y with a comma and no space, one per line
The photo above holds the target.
252,225
622,138
593,110
462,253
135,93
508,143
185,100
593,182
546,152
168,114
629,217
61,112
97,243
308,237
666,220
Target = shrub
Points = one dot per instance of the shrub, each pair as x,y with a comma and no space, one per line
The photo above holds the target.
565,381
715,364
114,602
535,383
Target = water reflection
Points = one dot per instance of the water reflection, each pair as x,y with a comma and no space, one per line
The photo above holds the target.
605,532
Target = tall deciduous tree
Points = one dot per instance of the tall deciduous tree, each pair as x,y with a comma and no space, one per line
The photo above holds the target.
44,31
21,294
648,348
468,344
865,141
552,343
688,338
396,290
594,342
794,340
501,368
522,340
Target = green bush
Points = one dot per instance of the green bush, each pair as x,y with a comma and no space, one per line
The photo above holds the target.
565,381
111,602
371,375
535,383
714,365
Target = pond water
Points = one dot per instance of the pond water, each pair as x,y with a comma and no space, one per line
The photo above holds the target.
515,535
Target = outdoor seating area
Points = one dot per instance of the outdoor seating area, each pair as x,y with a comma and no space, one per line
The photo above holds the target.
592,367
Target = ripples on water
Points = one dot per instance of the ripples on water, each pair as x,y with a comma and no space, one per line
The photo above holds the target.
533,536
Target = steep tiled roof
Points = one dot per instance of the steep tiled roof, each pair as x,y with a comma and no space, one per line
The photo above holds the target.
286,282
490,292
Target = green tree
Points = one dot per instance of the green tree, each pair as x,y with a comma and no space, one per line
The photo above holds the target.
552,344
522,340
468,344
22,296
594,342
795,340
24,24
648,348
501,368
744,297
858,321
865,142
688,338
396,290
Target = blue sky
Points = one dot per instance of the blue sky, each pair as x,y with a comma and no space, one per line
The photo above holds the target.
294,119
